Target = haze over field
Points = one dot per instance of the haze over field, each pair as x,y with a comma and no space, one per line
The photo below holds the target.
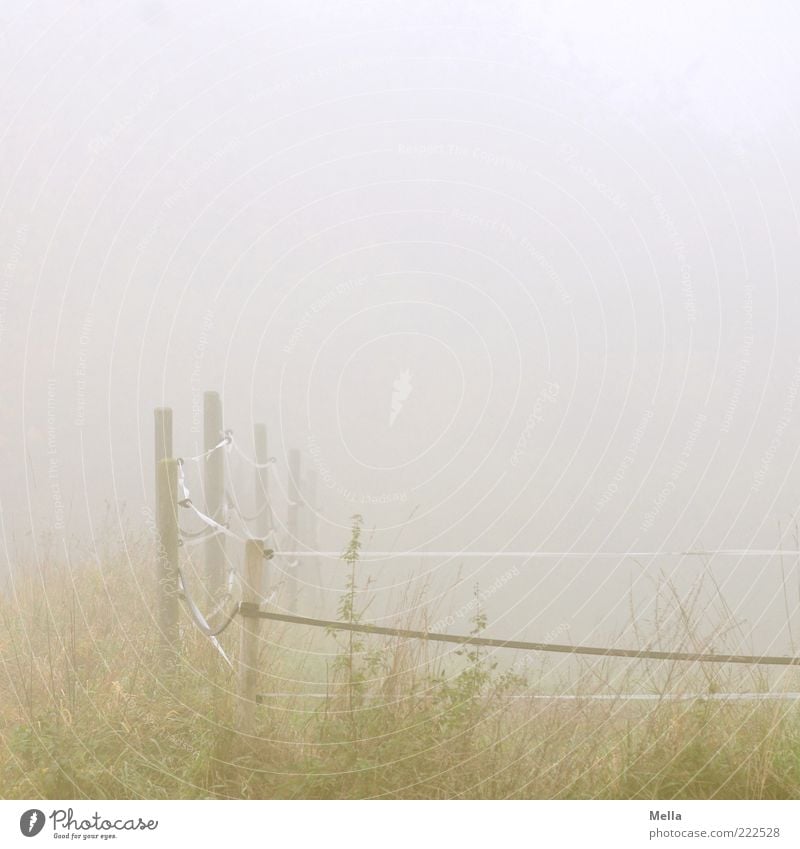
520,277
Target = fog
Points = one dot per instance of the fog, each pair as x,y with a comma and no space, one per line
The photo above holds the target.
513,276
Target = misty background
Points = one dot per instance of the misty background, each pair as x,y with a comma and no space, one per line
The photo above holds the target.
513,278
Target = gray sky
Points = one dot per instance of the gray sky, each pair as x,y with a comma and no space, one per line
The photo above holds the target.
567,231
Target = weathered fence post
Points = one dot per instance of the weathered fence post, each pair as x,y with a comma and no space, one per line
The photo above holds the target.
214,482
263,522
311,538
167,568
293,527
163,440
248,649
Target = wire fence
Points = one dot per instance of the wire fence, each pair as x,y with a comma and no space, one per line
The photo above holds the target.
250,604
233,505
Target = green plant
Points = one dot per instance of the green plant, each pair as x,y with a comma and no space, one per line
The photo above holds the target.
356,661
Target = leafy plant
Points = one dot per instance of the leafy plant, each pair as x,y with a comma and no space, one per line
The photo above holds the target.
355,660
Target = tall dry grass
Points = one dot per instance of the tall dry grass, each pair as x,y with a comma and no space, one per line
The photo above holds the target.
85,711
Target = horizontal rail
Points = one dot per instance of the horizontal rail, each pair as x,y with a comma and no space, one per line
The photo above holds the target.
253,611
573,697
582,555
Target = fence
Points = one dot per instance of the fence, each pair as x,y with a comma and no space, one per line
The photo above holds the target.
172,496
219,503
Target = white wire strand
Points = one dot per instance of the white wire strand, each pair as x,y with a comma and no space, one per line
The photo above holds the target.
190,540
185,501
227,439
252,463
731,552
200,620
604,697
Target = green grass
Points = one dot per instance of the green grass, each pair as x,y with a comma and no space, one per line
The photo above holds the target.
85,711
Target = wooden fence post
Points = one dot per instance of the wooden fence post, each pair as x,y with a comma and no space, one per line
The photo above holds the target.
311,538
248,649
293,527
263,513
163,441
214,481
167,569
263,523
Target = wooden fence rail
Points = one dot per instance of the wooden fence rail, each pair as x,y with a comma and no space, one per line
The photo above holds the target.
250,610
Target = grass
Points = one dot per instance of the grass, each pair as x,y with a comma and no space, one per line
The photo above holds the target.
86,713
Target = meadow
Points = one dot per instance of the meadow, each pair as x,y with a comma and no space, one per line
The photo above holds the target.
88,711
